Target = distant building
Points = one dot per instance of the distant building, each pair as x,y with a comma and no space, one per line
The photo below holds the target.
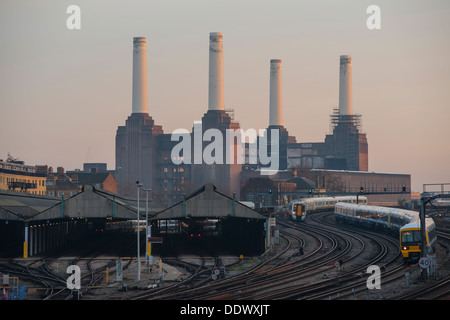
93,167
267,192
396,187
101,180
59,184
144,151
346,148
16,176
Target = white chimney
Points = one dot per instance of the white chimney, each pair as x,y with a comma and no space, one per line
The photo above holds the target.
139,75
215,93
276,104
345,86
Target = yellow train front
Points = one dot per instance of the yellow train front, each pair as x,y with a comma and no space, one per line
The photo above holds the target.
298,211
410,239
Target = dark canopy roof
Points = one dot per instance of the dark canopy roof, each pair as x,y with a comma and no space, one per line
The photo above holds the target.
207,202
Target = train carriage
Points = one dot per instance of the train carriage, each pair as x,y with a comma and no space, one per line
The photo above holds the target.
298,209
403,223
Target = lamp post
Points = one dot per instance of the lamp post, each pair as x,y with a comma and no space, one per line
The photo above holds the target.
138,185
147,231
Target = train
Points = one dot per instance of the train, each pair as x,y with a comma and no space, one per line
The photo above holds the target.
197,229
441,202
192,229
299,208
410,242
402,223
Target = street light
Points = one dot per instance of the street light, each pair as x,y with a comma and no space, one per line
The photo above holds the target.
147,231
138,185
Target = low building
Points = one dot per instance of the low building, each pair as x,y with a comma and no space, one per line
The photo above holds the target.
60,184
100,180
380,188
16,176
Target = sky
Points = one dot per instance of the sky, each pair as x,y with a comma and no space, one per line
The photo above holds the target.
63,93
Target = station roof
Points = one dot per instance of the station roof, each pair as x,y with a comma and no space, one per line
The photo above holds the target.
93,203
90,203
207,202
17,206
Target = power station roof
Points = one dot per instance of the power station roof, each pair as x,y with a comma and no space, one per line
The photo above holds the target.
207,202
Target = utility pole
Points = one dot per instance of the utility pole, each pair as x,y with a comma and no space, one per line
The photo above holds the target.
147,231
138,185
423,205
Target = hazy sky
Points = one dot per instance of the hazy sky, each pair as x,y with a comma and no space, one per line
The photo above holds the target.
63,93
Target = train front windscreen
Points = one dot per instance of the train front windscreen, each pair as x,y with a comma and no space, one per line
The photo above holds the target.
410,238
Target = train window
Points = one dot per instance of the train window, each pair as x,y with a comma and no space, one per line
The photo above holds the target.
410,237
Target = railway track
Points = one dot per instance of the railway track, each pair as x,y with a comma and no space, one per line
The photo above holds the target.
312,275
186,289
281,269
320,288
49,276
288,275
440,288
394,277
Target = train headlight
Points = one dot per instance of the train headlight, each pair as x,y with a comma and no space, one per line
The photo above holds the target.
405,248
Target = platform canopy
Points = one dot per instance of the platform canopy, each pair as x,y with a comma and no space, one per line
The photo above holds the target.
90,203
19,206
208,203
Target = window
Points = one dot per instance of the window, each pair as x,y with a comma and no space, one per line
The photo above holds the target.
411,237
